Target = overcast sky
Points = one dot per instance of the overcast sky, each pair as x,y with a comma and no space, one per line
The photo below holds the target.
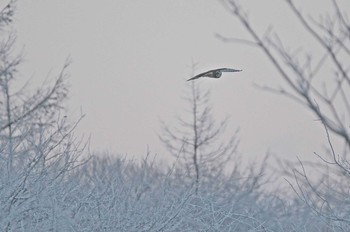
130,60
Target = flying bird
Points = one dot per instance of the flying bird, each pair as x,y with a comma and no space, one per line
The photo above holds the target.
215,73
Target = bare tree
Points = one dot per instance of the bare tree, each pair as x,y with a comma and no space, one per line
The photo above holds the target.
197,142
321,84
37,145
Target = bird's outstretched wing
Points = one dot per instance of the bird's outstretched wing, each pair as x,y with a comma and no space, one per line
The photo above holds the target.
201,75
228,70
210,73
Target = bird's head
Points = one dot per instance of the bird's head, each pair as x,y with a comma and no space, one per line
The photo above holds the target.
217,73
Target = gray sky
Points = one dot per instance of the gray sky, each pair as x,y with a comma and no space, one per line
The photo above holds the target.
131,60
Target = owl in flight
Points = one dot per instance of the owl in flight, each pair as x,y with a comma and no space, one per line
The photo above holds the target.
215,73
